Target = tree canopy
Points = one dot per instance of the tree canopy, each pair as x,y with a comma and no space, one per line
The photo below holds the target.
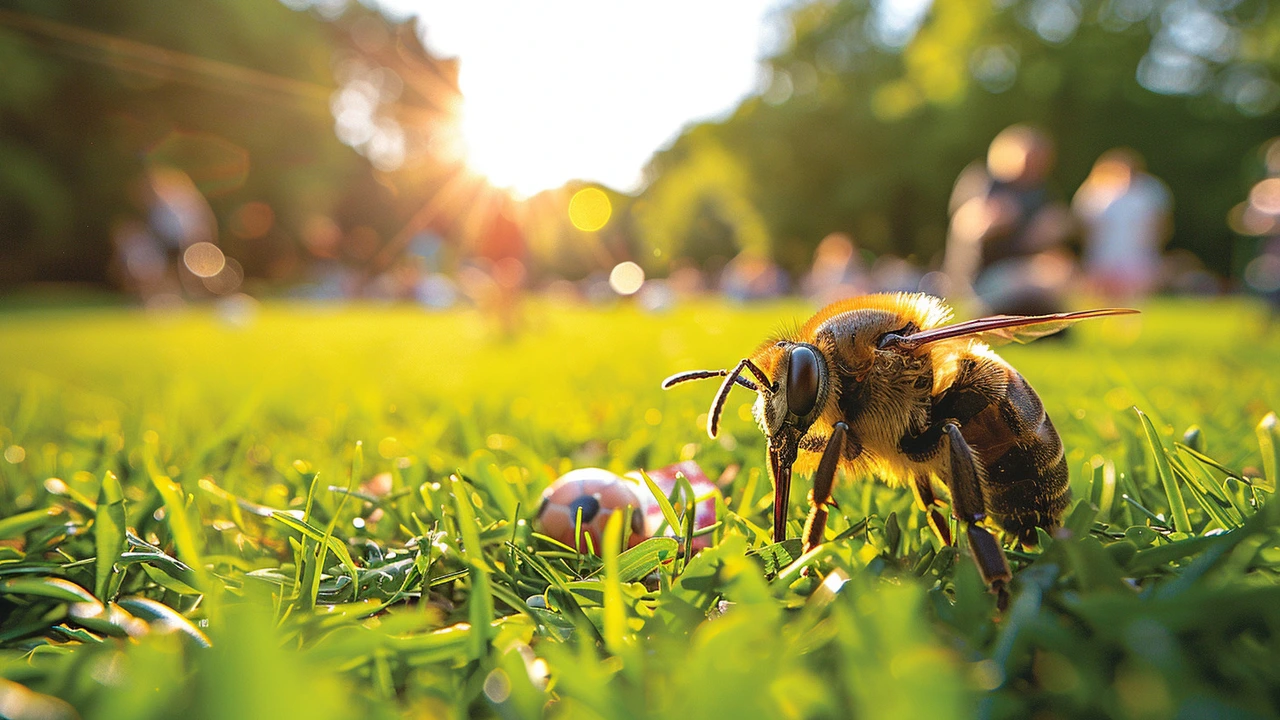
872,110
303,110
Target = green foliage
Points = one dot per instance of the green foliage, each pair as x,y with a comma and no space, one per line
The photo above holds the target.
866,123
709,187
328,514
235,93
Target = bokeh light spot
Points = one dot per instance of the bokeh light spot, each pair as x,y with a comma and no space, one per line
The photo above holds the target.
15,454
1266,196
227,280
497,686
204,259
589,210
626,278
253,220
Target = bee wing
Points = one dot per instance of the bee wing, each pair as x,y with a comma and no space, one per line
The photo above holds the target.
1000,329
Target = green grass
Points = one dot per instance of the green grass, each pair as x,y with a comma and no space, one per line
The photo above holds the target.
144,457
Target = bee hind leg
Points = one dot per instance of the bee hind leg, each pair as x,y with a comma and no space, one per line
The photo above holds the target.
928,504
823,481
966,499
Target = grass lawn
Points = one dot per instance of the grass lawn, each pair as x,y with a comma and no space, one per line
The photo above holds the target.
189,527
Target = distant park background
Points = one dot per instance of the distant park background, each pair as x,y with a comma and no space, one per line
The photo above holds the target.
257,148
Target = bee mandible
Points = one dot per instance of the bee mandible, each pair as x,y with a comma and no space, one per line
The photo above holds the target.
881,385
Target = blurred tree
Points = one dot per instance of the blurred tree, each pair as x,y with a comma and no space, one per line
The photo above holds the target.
244,96
701,208
873,107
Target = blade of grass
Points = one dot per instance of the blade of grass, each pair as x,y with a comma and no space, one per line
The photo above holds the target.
108,533
328,541
1102,489
21,523
1177,506
160,614
480,602
1212,506
184,536
684,491
1209,461
669,517
1269,444
615,613
49,587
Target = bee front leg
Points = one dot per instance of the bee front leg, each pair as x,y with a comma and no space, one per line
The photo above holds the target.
823,481
967,503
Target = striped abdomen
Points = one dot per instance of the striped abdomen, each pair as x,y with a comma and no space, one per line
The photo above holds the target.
1026,474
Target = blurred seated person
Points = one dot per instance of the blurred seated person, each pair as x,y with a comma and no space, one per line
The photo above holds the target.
837,270
1126,216
1262,275
891,273
1005,241
752,275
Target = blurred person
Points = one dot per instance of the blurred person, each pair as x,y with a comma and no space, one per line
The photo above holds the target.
891,273
398,282
428,248
837,270
501,252
329,277
151,254
1258,218
180,216
1262,274
139,261
1182,273
177,213
1007,232
686,279
656,296
436,291
752,276
1126,214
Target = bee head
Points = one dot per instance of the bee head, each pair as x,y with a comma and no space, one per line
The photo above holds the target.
797,393
789,401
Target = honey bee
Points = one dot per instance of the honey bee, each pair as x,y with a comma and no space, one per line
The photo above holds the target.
881,385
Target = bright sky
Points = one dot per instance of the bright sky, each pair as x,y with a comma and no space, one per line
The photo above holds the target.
558,90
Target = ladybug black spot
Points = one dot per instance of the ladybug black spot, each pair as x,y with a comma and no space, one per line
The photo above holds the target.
588,504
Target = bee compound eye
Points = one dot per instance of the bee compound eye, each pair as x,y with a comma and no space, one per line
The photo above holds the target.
802,381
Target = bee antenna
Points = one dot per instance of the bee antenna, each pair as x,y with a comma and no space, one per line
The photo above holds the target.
722,395
704,375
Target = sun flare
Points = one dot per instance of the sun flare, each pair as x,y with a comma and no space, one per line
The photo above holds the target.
512,159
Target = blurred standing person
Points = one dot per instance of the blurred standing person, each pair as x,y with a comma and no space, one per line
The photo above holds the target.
1127,217
837,270
171,253
139,262
1004,243
500,261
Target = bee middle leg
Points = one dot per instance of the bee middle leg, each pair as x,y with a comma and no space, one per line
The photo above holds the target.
968,505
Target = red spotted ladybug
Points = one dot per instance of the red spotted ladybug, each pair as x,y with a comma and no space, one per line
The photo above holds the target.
598,493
